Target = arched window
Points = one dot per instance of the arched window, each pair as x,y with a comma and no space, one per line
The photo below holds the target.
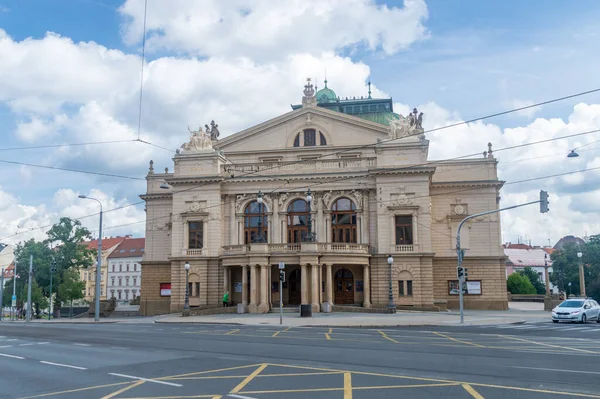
297,221
255,214
343,221
297,140
323,140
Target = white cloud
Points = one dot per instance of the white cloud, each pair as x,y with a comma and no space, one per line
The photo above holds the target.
273,28
529,112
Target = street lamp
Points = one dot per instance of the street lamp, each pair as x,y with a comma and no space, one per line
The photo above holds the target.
309,236
581,276
569,289
572,154
390,261
186,305
52,270
259,236
547,277
99,264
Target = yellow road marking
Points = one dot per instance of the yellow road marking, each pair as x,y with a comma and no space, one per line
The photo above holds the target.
287,329
212,377
384,335
471,391
207,372
276,334
247,380
120,391
217,397
77,390
347,386
327,336
458,340
352,388
548,345
298,374
330,330
232,332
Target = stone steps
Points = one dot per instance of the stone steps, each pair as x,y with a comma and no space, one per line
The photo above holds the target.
286,309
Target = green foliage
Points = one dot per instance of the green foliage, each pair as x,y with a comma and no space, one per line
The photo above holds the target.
72,287
534,278
565,266
38,300
519,284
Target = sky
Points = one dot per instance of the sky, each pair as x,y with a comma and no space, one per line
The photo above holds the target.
70,73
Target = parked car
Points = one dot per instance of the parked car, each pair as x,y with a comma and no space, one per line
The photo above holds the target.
577,310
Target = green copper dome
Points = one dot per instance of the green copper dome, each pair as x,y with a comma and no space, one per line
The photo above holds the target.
326,95
380,117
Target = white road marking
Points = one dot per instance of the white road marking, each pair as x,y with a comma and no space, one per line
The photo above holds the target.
573,328
239,396
82,344
62,365
29,344
43,343
11,340
6,346
12,356
146,379
563,371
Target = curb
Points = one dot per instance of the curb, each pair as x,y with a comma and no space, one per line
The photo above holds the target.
330,325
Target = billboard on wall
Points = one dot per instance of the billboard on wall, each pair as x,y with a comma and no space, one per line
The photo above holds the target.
165,289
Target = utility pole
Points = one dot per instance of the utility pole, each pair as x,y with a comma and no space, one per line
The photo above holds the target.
459,252
52,270
281,280
14,295
29,289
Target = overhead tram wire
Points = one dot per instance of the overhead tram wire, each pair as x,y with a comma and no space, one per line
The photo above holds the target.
142,72
71,170
384,141
378,201
346,177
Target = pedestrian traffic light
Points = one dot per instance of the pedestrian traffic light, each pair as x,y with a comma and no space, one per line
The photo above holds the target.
544,201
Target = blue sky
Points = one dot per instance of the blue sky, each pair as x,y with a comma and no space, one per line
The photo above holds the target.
463,59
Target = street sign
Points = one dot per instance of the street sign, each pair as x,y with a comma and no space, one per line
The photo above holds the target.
281,265
14,301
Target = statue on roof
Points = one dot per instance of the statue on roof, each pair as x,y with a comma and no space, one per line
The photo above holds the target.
399,128
309,94
213,131
199,140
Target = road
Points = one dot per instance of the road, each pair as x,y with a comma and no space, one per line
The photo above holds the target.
115,361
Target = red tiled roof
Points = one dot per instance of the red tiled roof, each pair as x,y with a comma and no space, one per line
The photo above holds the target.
8,272
129,248
106,242
517,246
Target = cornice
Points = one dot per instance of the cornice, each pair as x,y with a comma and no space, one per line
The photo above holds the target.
151,197
473,183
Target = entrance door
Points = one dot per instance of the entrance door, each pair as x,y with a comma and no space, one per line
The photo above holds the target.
294,287
344,287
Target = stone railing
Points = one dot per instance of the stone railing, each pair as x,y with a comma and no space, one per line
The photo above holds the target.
344,248
195,252
235,249
285,247
403,248
301,166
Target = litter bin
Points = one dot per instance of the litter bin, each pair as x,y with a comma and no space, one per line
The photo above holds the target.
305,310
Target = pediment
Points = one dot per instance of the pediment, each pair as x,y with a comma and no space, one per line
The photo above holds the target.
338,130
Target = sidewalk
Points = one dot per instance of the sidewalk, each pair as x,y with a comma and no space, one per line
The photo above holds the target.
407,318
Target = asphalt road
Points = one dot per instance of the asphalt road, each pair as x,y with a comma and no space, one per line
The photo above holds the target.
218,362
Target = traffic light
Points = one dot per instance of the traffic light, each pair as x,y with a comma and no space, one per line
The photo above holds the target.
460,272
282,276
465,272
544,201
53,266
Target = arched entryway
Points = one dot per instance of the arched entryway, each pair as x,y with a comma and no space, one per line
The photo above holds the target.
344,287
294,287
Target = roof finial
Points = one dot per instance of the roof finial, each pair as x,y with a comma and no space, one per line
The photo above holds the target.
316,87
369,86
325,77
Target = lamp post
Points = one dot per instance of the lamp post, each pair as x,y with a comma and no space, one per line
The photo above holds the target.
547,277
390,261
569,290
99,263
309,236
186,304
259,236
581,276
52,270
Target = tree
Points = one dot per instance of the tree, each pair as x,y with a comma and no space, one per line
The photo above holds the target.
534,278
38,300
519,284
71,288
42,256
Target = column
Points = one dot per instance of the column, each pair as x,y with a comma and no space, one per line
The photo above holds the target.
253,307
245,286
366,287
263,307
227,280
318,228
365,219
240,232
360,228
315,288
232,222
303,285
415,232
276,235
329,285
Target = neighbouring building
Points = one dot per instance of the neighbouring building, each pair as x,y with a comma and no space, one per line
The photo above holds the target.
109,244
125,271
520,256
568,240
6,256
235,207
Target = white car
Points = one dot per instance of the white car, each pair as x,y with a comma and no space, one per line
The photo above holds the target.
577,310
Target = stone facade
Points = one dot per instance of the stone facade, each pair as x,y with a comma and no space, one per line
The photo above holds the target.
374,193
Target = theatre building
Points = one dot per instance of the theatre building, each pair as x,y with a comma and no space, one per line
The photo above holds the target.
331,189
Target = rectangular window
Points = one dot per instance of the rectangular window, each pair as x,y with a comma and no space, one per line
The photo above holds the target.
113,268
134,281
196,289
310,137
409,291
401,287
195,235
404,230
190,289
135,267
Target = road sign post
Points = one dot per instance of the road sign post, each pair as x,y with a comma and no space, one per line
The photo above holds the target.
1,294
281,279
